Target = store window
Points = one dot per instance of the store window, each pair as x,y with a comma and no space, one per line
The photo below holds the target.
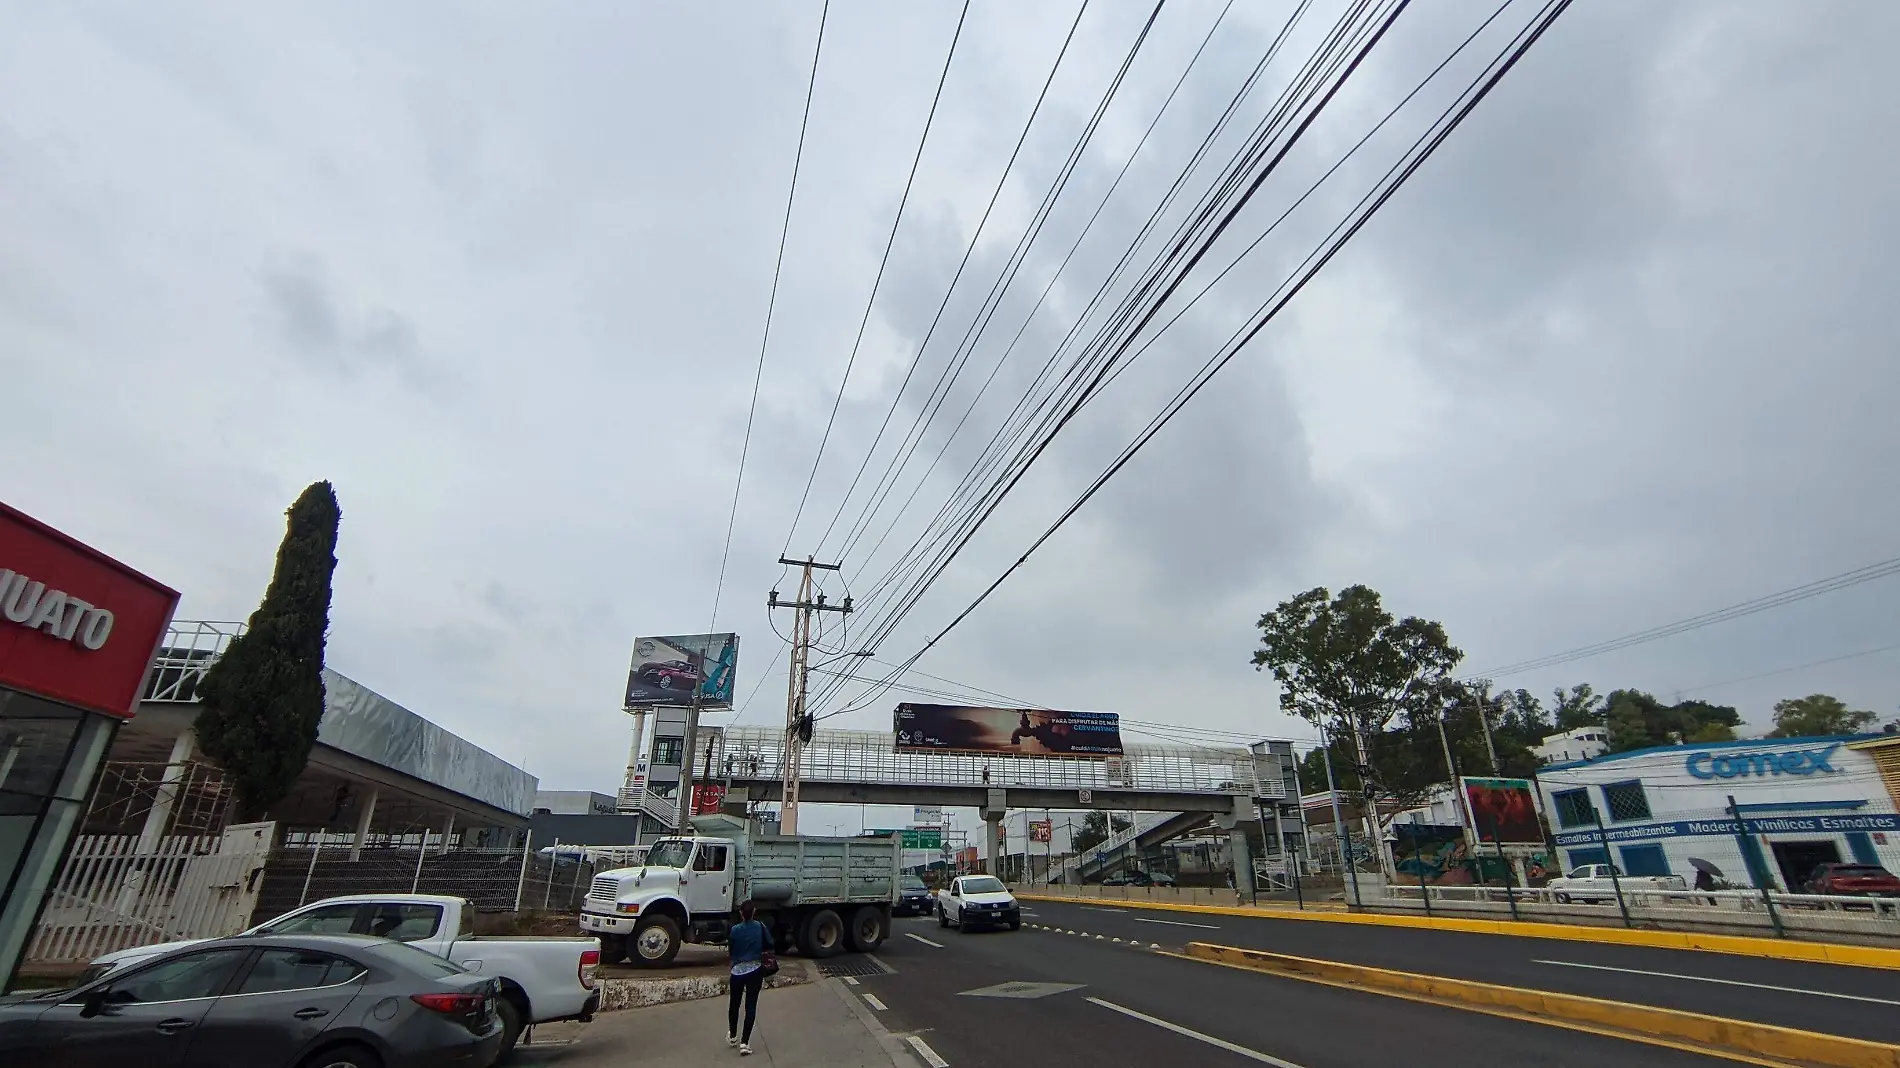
1573,808
1626,801
1644,860
36,737
1580,857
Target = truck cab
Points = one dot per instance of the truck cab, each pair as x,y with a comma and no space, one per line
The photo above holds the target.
684,892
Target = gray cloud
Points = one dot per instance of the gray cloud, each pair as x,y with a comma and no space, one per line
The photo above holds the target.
1618,355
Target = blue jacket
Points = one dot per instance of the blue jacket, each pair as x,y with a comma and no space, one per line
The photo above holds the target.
747,941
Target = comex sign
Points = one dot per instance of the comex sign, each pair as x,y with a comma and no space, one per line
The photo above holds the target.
1797,762
55,612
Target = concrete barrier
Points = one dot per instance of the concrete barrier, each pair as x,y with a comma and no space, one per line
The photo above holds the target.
1644,1023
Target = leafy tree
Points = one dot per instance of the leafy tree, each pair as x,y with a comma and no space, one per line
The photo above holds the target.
264,697
1581,707
1095,830
1639,721
1817,715
1345,664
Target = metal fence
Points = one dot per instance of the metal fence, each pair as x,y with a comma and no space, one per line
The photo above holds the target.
496,880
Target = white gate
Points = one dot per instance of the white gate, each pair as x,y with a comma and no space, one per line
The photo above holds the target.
110,896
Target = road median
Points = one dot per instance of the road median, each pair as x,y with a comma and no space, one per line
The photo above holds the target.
1739,945
1642,1023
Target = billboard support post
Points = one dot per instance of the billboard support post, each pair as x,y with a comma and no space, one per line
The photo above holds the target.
1510,882
798,723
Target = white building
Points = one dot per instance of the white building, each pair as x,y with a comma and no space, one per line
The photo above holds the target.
1583,743
1796,803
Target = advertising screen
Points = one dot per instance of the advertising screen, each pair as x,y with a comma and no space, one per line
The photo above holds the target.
1503,810
1006,731
667,668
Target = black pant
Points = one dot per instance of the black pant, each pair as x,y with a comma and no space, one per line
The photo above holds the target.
747,987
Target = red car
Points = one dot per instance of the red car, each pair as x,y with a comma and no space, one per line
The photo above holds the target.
1856,880
670,675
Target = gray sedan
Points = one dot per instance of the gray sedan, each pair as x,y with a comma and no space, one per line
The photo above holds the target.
284,1001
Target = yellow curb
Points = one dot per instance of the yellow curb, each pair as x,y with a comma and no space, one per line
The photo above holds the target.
1739,945
1642,1021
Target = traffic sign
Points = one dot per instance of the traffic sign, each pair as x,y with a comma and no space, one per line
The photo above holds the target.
923,838
1086,797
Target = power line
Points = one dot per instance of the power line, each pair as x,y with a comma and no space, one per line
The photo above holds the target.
771,303
883,262
1784,671
917,357
1721,615
1341,234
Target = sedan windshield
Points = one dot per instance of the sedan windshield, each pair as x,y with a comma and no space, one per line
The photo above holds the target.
983,885
911,882
1861,871
669,854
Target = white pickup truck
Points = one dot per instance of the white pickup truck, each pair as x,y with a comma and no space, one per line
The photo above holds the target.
542,979
1594,882
977,901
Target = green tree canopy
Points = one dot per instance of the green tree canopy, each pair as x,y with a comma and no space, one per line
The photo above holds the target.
1095,830
263,699
1346,665
1580,707
1639,721
1817,715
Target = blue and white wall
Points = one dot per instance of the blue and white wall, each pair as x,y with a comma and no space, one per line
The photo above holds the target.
1801,800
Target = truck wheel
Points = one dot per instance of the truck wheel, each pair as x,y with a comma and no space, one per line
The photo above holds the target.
822,935
868,927
656,941
1563,899
943,918
613,948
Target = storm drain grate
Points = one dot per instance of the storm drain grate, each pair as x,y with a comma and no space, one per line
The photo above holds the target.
857,964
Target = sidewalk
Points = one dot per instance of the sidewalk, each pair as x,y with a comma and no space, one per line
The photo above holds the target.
816,1025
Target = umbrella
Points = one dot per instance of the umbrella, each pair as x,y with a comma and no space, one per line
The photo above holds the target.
1703,865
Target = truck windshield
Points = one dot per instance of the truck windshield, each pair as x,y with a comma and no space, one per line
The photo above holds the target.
983,885
669,854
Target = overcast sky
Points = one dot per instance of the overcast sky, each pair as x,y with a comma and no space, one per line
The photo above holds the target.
1623,352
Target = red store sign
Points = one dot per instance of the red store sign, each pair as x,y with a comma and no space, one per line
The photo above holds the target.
76,626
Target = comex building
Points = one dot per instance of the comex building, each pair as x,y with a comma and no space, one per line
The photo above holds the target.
1765,811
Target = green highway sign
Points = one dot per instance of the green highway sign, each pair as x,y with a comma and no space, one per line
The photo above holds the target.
915,837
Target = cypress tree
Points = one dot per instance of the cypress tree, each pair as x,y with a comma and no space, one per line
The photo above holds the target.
263,698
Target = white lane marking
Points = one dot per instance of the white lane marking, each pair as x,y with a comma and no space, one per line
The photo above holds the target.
1178,923
871,1000
923,1050
925,941
1209,1039
1724,982
1026,912
848,981
1093,908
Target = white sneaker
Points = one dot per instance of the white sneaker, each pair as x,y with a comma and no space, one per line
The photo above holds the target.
732,1040
745,1049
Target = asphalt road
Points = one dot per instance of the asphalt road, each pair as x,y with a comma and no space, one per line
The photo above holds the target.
1832,999
1113,1005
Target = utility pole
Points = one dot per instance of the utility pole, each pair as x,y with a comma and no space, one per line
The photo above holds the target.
1484,720
797,721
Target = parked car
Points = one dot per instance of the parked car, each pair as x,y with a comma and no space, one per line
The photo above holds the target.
670,675
913,897
338,1001
1855,880
1138,878
977,901
542,979
1594,882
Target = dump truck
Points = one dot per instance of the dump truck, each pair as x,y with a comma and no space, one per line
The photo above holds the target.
821,896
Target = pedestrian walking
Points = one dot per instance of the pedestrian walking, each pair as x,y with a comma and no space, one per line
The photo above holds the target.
752,961
1705,881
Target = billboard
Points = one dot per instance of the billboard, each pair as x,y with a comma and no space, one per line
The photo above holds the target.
1503,810
1041,830
666,669
1006,731
707,797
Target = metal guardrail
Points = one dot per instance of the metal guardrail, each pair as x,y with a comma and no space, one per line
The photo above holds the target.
1808,912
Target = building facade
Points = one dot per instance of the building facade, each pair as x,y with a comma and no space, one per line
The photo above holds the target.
1765,811
77,634
1583,743
572,803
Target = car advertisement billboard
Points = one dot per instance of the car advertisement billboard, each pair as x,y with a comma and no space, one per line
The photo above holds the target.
1006,731
666,669
1503,810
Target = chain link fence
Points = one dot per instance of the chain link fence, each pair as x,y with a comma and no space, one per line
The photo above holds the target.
496,880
